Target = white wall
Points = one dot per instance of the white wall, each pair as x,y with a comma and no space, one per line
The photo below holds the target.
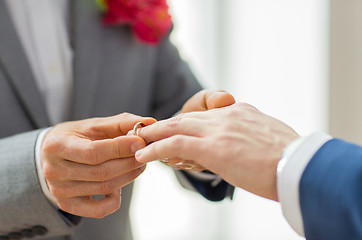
272,54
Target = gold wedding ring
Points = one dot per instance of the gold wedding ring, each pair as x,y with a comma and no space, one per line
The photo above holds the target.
136,128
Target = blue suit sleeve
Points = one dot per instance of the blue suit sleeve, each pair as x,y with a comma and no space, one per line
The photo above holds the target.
212,193
331,193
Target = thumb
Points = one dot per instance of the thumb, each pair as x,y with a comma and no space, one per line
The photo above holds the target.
218,99
117,125
208,99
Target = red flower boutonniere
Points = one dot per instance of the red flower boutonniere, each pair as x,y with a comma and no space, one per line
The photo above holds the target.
149,19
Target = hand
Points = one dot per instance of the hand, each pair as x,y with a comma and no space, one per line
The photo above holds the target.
239,143
91,157
201,101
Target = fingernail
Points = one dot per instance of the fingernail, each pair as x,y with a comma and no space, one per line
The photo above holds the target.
136,146
219,93
139,154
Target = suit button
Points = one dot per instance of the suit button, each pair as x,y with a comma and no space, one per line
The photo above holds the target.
28,233
39,230
15,235
4,238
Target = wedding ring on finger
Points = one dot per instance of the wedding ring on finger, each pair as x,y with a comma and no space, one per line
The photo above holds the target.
136,128
175,163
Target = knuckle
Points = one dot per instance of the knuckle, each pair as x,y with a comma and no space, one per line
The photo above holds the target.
106,187
99,214
102,212
49,171
65,206
175,122
126,114
90,155
240,111
57,192
100,173
234,113
242,105
116,203
177,142
132,164
93,126
49,146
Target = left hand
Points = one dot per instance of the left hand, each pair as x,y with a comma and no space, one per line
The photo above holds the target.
90,157
239,143
202,101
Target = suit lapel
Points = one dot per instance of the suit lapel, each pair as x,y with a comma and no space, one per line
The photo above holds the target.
87,39
14,64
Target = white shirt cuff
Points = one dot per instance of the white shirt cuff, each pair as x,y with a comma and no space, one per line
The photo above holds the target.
43,183
290,169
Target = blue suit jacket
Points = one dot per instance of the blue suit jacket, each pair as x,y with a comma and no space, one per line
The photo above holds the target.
331,192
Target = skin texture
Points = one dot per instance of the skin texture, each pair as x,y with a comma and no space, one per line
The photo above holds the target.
239,143
201,101
91,157
95,156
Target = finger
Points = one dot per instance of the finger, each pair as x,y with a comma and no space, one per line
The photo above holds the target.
179,125
92,208
218,99
96,152
208,99
67,170
179,146
64,190
115,126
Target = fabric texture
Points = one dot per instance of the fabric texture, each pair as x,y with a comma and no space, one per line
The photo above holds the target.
331,193
113,73
43,32
296,157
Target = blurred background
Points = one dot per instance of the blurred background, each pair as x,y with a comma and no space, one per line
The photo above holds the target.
297,60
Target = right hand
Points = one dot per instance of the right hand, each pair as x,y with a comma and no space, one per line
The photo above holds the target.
91,157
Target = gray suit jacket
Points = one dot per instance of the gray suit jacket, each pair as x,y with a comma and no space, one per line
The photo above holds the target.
113,73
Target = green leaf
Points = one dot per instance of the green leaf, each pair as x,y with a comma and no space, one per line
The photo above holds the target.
102,4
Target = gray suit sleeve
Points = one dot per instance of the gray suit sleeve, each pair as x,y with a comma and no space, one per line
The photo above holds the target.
23,204
174,82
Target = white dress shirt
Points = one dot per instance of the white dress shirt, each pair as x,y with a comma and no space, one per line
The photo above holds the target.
42,28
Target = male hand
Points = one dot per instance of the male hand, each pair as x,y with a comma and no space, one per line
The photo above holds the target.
239,143
91,157
201,101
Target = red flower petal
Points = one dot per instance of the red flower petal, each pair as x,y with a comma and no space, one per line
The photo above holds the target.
149,19
153,24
